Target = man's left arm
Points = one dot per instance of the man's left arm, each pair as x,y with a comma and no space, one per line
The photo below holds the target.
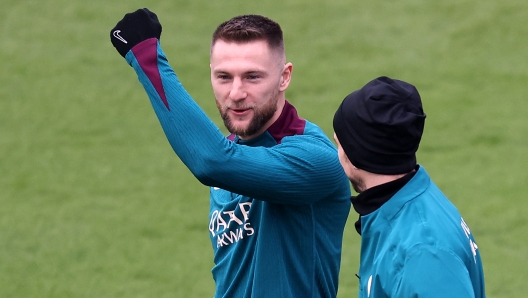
433,272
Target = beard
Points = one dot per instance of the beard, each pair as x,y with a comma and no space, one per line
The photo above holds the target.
261,116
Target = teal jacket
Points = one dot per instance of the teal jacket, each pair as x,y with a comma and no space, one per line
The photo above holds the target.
417,245
278,202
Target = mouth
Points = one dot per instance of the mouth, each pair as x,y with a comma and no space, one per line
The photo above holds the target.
240,112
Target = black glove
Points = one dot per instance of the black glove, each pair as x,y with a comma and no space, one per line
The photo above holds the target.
134,28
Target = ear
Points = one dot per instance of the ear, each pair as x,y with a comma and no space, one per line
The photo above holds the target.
286,76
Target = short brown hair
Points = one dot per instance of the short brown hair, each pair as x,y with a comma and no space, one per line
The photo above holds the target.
246,28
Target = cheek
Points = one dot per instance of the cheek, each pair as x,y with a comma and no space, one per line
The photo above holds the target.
264,91
219,93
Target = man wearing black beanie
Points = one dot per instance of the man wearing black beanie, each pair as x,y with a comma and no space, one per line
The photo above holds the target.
414,240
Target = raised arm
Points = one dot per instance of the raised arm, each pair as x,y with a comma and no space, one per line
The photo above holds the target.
297,171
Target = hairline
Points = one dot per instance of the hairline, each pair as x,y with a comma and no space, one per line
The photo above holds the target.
274,50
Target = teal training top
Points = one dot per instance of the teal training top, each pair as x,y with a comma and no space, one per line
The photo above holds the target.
279,202
417,245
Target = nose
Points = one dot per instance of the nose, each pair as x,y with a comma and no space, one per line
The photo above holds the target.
237,90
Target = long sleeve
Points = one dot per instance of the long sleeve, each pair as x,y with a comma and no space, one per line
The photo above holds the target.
303,169
434,272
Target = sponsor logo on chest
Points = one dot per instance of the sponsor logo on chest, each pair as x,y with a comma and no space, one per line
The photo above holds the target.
230,226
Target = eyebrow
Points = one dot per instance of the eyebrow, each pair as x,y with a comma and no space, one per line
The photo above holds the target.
252,71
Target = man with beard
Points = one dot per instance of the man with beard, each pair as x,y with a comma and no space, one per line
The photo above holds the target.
279,198
414,241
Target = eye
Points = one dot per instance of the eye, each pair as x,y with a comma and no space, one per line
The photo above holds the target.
253,77
222,77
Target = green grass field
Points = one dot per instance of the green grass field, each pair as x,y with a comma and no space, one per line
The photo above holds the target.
94,203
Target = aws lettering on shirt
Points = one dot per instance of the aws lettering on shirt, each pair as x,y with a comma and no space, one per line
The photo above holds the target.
231,226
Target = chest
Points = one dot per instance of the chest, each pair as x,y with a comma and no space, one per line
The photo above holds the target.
232,218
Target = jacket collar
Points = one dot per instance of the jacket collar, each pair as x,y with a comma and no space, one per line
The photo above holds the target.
373,198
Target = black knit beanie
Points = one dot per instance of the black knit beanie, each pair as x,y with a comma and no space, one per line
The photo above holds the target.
380,126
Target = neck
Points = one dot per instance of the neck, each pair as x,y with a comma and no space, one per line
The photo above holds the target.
373,180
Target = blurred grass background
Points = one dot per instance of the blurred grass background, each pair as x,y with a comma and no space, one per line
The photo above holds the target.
93,202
